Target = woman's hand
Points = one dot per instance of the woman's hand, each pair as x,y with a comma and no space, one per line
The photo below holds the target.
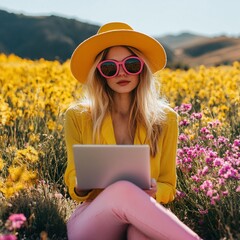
153,189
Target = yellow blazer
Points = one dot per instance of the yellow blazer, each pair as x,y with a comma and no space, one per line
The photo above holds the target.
78,130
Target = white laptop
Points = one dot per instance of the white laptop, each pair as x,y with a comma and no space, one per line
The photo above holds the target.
98,166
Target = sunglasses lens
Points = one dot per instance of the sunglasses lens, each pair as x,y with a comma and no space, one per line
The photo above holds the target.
133,65
108,68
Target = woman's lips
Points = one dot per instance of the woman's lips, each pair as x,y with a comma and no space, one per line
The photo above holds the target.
123,82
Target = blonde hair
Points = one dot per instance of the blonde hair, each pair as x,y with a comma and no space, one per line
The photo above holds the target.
147,109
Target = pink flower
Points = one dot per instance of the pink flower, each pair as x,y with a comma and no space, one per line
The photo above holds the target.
195,178
205,170
209,193
180,194
195,189
221,181
236,142
218,162
184,122
201,211
211,157
17,220
8,237
182,137
238,189
225,193
206,185
196,116
214,199
222,140
205,130
209,136
184,108
214,124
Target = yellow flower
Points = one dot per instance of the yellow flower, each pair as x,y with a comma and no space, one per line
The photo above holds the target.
15,172
2,164
34,138
8,192
35,94
51,124
31,127
28,154
28,176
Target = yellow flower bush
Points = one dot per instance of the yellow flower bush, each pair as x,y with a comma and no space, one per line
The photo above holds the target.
215,90
34,94
1,164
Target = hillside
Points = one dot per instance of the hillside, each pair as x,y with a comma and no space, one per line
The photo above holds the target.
48,37
210,52
181,40
53,37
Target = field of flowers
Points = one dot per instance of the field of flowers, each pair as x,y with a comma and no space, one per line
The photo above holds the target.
33,97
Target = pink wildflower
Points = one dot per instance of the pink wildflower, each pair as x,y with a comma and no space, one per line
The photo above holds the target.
182,137
205,130
205,170
8,237
209,193
225,193
180,194
184,108
180,152
223,140
17,220
214,124
203,212
195,189
184,122
211,157
196,116
214,199
195,178
218,162
206,185
209,136
236,142
221,181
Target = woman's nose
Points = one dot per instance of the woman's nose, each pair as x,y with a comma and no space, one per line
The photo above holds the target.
121,70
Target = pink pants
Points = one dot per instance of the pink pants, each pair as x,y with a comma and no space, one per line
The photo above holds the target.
123,211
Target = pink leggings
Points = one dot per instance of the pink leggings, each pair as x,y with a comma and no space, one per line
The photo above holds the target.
123,211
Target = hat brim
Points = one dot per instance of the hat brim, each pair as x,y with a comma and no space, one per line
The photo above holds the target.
84,55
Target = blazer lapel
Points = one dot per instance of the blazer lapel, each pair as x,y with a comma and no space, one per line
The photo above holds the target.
140,135
108,136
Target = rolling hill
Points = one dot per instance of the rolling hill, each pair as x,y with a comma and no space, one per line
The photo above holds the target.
48,37
193,50
54,37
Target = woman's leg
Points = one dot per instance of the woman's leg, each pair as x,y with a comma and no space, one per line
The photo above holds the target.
94,223
120,205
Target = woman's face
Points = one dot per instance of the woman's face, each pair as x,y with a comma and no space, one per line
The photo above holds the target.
123,82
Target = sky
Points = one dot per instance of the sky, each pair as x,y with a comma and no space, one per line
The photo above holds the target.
153,17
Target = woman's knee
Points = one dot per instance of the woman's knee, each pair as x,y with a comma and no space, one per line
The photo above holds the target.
122,188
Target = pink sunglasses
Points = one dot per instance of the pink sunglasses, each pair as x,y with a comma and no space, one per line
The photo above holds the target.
110,68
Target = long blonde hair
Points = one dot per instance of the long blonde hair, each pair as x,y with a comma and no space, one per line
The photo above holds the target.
147,109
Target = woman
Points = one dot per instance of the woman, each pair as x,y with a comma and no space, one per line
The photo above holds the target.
122,107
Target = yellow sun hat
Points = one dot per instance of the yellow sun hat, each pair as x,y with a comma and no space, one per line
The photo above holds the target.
115,34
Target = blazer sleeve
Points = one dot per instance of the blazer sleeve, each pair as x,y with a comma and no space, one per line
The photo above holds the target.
73,135
167,178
